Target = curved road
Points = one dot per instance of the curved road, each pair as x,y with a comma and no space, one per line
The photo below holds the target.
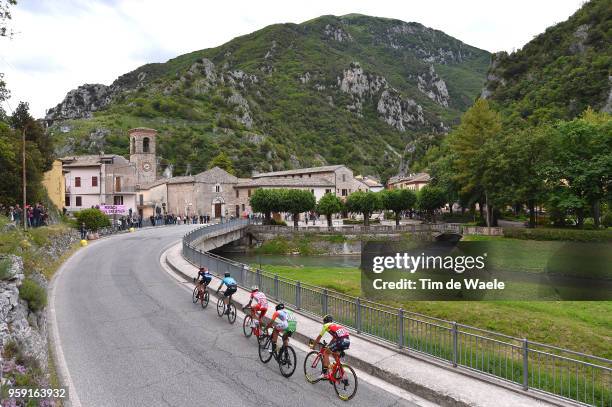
130,336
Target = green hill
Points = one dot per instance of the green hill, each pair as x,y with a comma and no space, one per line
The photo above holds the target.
560,72
356,90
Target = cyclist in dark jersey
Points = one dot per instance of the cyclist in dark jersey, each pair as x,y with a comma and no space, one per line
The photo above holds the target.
340,341
204,278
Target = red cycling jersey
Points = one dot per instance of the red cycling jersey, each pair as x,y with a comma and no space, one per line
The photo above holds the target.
335,330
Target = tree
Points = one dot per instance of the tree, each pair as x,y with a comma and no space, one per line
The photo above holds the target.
475,145
265,201
398,200
328,205
222,161
22,121
296,201
365,203
580,174
94,219
430,199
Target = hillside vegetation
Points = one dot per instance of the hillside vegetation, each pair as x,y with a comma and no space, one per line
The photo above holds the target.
356,90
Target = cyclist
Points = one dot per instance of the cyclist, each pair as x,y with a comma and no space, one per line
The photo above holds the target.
286,325
260,306
204,278
340,341
232,286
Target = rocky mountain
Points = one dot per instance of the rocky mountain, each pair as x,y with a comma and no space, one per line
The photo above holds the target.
560,72
357,90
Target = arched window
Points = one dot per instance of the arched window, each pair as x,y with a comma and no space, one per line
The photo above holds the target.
217,188
145,145
133,146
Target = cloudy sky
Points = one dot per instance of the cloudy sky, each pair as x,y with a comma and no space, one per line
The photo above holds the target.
60,44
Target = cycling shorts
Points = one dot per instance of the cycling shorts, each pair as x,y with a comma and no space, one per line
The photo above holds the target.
230,290
340,344
257,308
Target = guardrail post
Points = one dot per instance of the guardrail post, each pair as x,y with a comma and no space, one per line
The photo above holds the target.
324,301
525,364
358,314
298,295
276,286
259,279
400,325
454,331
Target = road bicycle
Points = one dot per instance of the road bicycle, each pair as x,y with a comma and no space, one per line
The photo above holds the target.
222,308
285,355
247,327
341,375
201,294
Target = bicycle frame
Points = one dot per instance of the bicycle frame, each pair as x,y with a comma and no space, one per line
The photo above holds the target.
337,364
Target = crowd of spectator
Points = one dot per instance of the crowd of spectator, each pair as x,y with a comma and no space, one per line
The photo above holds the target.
35,214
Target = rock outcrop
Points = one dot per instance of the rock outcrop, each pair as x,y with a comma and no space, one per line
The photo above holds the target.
433,86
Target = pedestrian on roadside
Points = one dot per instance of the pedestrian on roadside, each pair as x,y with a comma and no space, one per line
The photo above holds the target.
83,231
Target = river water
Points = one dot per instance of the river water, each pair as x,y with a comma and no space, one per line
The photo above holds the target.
298,261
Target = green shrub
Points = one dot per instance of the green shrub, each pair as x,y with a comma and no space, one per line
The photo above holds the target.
335,238
275,222
34,294
575,235
93,218
5,266
274,246
606,219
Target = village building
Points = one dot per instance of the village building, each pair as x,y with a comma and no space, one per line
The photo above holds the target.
413,182
54,182
132,185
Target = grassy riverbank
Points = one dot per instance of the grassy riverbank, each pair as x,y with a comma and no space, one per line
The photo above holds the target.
579,325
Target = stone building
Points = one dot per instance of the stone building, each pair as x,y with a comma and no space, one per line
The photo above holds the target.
412,181
142,154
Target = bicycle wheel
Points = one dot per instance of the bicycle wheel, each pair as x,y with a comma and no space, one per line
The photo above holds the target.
205,300
287,361
220,307
264,346
313,366
231,315
246,326
346,386
194,295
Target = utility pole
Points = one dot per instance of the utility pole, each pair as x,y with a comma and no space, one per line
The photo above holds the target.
24,214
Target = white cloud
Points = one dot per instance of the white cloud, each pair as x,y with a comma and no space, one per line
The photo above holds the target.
62,44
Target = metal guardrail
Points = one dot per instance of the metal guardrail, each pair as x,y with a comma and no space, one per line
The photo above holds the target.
414,228
573,376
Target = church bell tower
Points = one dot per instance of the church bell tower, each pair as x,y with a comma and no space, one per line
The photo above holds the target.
142,154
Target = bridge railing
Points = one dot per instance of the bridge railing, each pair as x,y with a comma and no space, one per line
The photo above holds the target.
573,376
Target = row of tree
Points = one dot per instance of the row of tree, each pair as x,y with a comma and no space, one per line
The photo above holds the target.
296,201
565,167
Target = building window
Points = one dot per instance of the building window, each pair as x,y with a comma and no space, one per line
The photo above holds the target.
344,192
217,188
145,145
94,181
242,207
77,181
117,184
79,201
312,191
67,200
343,177
118,200
237,193
249,193
141,199
309,175
328,191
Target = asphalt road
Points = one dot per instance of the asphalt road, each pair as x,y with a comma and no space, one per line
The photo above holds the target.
130,336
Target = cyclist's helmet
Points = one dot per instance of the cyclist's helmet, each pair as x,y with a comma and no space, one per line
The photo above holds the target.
280,306
327,319
254,288
227,274
203,269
